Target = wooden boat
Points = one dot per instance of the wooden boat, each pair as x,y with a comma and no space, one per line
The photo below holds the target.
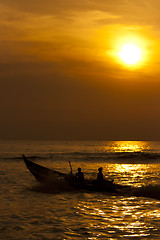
41,174
46,176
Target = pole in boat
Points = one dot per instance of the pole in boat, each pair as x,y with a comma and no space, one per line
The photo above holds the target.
70,166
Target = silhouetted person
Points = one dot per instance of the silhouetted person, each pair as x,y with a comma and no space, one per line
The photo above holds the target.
100,176
80,177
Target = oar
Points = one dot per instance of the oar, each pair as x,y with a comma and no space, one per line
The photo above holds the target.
70,166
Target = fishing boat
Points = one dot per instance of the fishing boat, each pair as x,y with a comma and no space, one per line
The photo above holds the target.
45,175
42,174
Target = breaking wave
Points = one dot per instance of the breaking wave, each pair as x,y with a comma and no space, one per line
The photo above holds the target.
149,191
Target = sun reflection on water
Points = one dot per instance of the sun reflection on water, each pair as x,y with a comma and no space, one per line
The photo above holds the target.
128,146
131,168
129,174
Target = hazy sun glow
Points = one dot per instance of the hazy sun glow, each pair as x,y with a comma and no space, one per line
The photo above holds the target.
130,53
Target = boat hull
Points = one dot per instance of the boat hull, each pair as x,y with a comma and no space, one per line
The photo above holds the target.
41,174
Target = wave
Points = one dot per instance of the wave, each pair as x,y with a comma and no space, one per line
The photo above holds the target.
151,191
108,157
20,158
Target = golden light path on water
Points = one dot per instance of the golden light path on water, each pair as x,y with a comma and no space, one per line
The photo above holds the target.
127,173
128,146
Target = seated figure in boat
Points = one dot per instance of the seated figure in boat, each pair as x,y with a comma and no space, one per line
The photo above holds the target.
100,179
103,183
79,177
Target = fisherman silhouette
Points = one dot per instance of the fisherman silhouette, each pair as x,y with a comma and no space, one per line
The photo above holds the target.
80,177
100,179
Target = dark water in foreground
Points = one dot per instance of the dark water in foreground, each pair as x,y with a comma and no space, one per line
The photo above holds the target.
29,212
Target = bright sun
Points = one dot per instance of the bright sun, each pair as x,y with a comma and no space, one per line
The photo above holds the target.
130,53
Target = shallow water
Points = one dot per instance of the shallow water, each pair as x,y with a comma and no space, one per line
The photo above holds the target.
27,212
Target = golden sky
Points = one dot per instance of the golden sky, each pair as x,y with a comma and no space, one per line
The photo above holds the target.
61,76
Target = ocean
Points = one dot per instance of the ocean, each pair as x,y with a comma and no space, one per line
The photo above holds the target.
30,212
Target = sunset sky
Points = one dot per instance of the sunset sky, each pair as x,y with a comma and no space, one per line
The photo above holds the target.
61,74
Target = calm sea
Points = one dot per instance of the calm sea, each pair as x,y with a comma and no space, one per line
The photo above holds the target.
28,211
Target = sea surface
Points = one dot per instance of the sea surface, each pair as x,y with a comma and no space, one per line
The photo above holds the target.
30,211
